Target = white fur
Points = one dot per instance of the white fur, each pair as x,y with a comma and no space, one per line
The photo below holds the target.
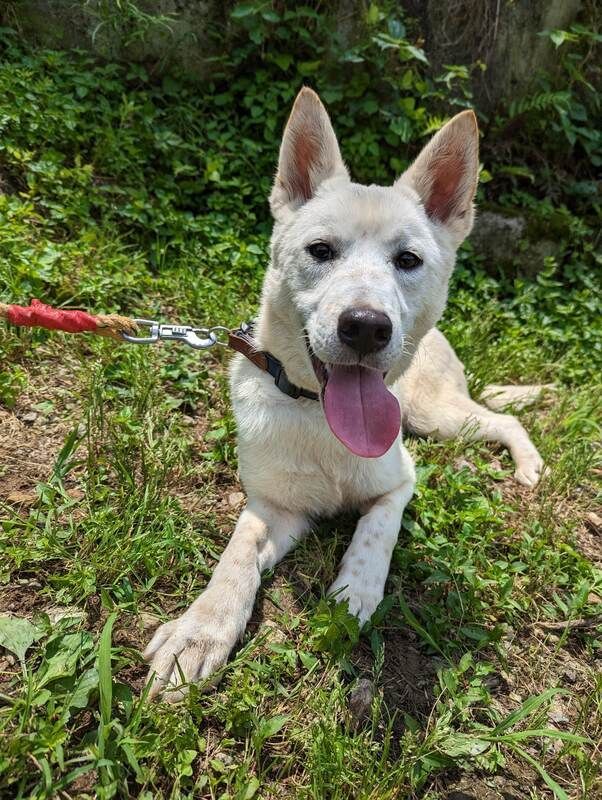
292,467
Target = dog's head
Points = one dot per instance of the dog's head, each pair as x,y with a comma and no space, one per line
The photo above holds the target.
367,267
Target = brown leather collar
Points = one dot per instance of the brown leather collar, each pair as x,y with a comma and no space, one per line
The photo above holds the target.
243,342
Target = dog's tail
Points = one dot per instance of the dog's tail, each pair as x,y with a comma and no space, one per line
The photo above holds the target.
497,397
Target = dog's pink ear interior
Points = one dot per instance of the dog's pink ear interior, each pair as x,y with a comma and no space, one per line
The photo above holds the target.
309,154
445,174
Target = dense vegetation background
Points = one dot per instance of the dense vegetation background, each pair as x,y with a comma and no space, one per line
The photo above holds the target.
128,186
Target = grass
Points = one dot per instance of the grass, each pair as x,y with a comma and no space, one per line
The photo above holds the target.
118,490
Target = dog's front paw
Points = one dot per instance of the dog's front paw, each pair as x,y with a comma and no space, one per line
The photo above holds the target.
529,469
361,595
188,649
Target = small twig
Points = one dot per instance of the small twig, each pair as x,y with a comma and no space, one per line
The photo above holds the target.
497,19
570,624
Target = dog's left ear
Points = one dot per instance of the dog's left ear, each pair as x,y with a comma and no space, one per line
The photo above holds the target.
446,173
309,154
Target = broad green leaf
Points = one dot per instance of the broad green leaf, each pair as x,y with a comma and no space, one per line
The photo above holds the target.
18,634
83,687
308,67
477,634
283,60
373,15
41,698
415,52
62,655
270,727
307,659
251,789
185,760
243,10
459,744
558,37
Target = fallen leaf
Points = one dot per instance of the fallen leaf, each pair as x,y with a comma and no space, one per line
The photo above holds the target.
235,499
57,613
22,498
461,463
148,619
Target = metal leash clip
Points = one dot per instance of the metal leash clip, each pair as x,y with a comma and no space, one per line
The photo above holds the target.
197,338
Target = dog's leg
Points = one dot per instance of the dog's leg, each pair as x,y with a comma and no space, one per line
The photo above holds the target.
453,414
498,398
365,565
436,403
199,642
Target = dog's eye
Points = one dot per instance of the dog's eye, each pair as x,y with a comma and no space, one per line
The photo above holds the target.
321,251
407,260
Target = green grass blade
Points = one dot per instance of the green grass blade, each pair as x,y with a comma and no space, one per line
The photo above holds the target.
528,707
105,681
104,670
413,622
559,792
550,733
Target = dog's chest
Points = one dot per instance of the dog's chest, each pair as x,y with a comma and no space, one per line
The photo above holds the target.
288,454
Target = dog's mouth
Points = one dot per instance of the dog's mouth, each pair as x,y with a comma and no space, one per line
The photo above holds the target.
360,410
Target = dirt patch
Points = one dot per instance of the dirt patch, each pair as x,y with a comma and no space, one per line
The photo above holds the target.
536,663
33,433
84,786
407,674
510,785
276,599
23,600
589,541
28,454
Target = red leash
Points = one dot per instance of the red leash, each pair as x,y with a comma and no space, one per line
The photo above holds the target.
39,315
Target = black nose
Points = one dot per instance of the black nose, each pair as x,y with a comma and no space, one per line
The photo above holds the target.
365,330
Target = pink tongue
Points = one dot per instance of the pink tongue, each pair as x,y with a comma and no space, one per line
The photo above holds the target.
360,410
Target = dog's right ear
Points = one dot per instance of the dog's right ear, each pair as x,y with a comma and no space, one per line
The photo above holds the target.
309,154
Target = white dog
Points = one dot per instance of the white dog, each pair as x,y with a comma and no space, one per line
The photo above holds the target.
358,278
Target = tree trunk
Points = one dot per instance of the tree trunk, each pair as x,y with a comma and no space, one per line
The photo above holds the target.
502,34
